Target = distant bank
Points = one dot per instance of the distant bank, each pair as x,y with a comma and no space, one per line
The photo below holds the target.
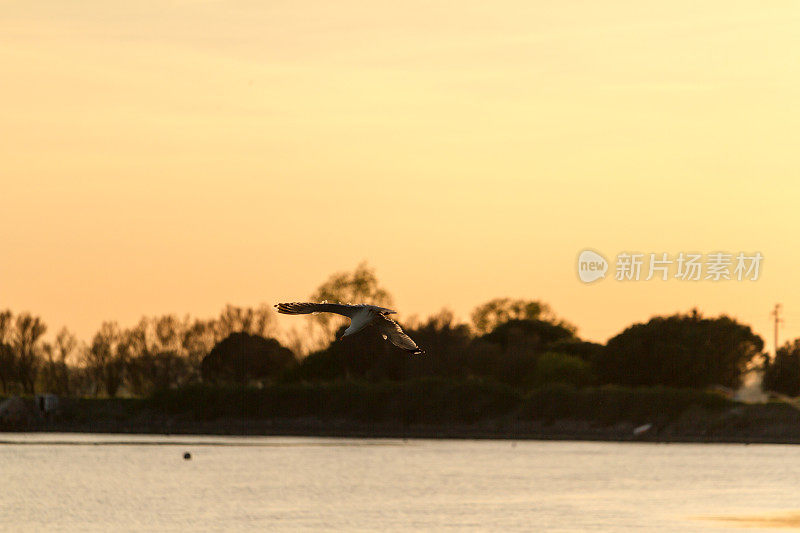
428,408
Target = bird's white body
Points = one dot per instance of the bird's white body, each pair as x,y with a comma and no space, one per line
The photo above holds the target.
360,319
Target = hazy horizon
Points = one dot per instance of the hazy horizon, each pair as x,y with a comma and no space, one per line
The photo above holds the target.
173,157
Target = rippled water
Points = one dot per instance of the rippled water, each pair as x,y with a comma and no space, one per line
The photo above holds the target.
142,483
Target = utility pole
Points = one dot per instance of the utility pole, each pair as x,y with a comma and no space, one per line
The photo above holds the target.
776,313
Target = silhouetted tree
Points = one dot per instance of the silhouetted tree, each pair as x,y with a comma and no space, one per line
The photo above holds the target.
491,314
552,367
198,340
511,352
259,321
105,359
364,355
56,368
446,343
7,366
782,374
148,372
168,331
133,345
8,360
154,355
585,350
530,335
680,351
242,357
26,345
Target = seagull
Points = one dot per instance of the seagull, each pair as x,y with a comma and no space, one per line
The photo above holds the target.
361,316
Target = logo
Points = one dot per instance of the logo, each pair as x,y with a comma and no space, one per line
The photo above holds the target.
591,266
684,266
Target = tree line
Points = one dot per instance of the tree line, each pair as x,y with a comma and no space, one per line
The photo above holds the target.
157,352
521,343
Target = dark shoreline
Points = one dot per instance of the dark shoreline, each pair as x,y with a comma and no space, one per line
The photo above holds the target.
572,430
428,409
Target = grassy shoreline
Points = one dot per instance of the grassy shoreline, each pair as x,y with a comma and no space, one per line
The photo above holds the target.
432,408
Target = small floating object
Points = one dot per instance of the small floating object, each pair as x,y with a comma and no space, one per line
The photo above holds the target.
642,429
187,456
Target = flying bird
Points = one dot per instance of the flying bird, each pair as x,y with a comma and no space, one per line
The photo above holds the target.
361,316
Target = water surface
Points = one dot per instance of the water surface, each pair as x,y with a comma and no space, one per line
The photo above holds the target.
66,482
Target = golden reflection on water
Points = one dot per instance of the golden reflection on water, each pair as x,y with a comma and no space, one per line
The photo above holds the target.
788,520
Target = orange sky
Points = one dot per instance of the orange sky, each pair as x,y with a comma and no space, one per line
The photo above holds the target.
175,156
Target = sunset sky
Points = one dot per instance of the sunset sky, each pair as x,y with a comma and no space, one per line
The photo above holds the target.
172,157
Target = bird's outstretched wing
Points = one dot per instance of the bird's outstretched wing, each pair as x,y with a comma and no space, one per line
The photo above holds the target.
304,308
381,310
392,331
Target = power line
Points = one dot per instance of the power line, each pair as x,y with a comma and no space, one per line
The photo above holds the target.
776,313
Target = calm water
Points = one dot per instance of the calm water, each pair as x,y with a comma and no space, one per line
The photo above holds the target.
142,483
